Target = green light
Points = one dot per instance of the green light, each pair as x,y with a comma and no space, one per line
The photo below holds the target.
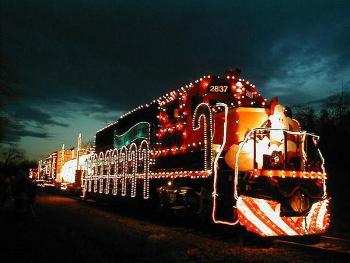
138,131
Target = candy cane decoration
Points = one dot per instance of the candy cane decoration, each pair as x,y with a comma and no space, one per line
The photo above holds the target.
203,117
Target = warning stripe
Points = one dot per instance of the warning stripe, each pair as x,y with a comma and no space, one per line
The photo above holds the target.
313,227
255,208
244,222
326,220
295,225
308,219
263,217
321,215
251,217
274,217
300,220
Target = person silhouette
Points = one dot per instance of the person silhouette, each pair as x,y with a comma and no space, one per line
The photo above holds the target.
24,192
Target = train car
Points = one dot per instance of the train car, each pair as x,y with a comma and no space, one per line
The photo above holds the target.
216,147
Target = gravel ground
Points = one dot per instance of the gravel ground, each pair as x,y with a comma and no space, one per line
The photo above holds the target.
67,230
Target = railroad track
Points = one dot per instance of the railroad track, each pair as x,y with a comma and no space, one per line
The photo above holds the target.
327,245
322,244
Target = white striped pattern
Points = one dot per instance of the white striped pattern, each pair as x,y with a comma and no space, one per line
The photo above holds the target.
253,219
307,221
274,217
321,214
313,223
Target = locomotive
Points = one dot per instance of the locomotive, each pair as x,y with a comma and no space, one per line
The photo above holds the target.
215,147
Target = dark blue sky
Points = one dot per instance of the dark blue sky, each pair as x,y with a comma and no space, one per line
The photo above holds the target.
76,65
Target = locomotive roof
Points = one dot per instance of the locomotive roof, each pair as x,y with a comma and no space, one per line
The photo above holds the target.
229,76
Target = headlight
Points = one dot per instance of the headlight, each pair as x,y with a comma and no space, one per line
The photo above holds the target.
299,202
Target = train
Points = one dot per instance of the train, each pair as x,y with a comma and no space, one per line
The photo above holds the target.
215,148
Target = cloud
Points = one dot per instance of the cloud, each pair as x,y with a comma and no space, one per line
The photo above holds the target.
41,117
304,72
39,120
112,52
15,131
101,58
27,121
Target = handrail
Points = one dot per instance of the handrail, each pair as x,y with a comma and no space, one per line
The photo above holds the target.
216,160
302,133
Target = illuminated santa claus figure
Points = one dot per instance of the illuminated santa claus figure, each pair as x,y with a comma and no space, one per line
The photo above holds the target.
279,123
270,143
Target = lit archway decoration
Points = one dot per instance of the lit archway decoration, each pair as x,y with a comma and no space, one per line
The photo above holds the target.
144,158
108,170
123,163
114,164
132,160
95,172
101,165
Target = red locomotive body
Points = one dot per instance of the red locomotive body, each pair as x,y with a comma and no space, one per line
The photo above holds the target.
217,147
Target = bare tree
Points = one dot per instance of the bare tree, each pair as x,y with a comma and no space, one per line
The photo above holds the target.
7,80
12,156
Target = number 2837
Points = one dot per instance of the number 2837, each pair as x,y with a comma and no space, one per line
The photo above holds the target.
218,88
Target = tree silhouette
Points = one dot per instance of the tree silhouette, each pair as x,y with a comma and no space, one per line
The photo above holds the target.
7,82
12,156
332,123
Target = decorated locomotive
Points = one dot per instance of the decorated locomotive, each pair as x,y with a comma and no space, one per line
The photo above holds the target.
216,147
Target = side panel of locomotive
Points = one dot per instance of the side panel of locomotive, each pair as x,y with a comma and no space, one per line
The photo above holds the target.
219,140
